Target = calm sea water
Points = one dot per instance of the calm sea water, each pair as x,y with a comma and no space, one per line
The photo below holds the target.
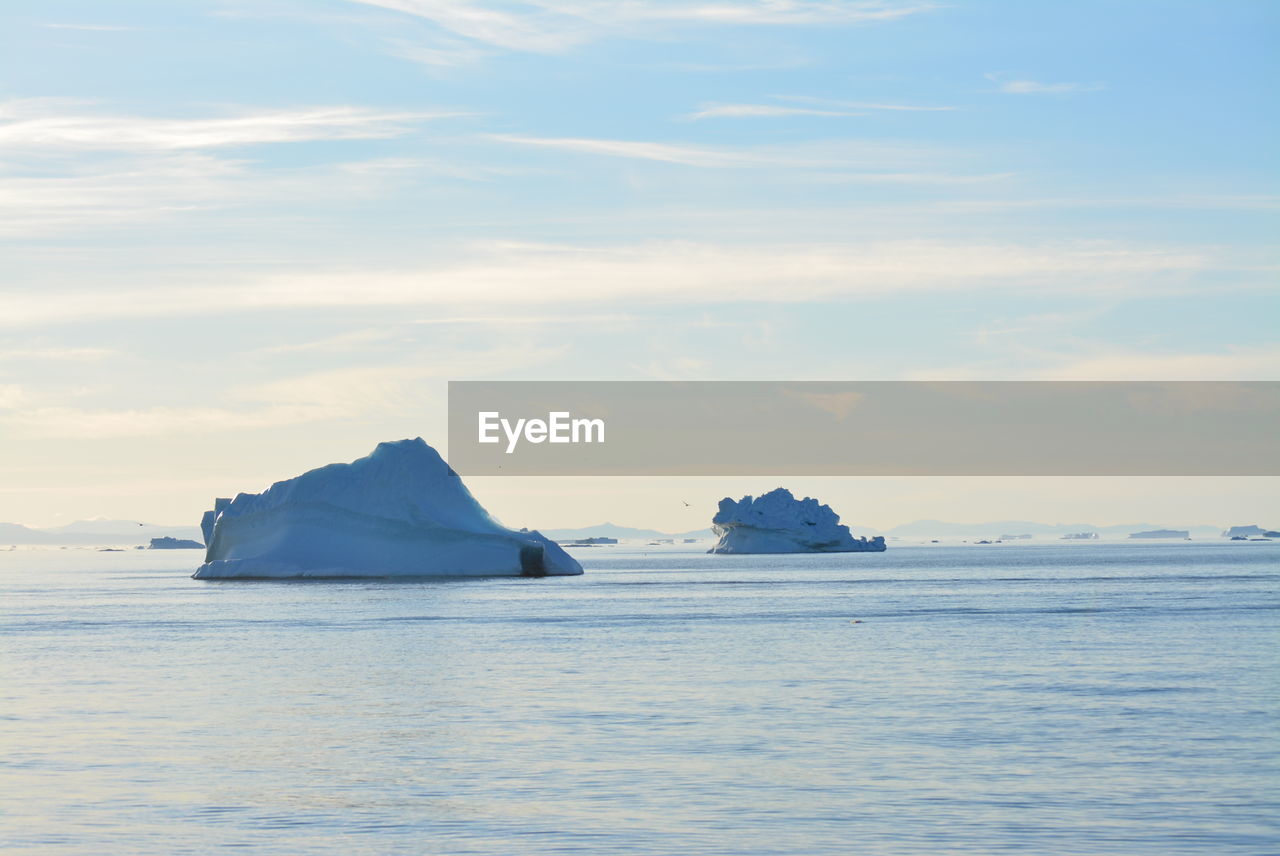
1045,699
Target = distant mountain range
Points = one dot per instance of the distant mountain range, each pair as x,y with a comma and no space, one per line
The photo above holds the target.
113,532
918,529
132,532
610,530
921,528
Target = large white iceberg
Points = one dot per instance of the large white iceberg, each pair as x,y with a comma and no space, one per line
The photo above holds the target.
777,522
401,511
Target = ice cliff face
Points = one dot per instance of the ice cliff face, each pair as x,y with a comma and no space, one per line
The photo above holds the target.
401,511
777,522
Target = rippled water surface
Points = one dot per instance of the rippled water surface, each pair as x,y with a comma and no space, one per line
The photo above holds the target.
1047,699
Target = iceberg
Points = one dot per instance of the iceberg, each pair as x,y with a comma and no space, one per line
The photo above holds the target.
166,543
777,522
206,522
399,512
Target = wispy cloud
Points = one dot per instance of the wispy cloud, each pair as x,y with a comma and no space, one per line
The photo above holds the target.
762,12
352,340
46,124
760,111
70,190
96,28
82,423
1208,202
54,354
810,106
121,191
1013,86
1095,362
844,161
1231,363
373,339
445,53
492,322
937,179
686,155
773,63
532,27
831,155
12,396
323,396
554,26
652,274
860,105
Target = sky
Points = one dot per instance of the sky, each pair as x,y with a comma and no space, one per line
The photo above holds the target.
242,239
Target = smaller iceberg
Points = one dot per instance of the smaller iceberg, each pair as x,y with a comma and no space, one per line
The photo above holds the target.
398,512
167,543
777,522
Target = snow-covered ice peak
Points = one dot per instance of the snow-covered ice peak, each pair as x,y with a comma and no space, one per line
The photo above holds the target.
399,511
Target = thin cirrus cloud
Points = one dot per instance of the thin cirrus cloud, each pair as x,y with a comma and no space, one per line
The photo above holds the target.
93,28
554,26
322,396
765,12
44,124
934,178
685,155
536,28
1102,363
446,53
803,105
54,354
160,185
843,161
1232,363
761,111
834,103
830,155
1022,86
655,274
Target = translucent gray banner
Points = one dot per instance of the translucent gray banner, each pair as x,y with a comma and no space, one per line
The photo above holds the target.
864,428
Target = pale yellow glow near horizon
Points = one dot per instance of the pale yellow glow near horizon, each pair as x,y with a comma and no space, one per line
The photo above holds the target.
869,503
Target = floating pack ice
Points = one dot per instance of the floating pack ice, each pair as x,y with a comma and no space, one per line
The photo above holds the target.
777,522
401,511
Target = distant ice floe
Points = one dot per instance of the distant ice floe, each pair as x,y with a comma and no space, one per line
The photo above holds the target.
399,512
777,522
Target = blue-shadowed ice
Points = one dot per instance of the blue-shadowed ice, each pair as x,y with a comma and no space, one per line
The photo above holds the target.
777,522
400,511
